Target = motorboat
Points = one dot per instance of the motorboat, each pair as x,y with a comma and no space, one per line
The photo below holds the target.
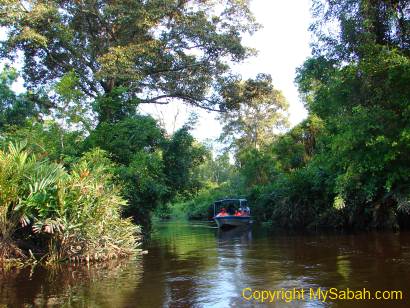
232,213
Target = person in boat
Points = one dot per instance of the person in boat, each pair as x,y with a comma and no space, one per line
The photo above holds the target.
222,213
247,211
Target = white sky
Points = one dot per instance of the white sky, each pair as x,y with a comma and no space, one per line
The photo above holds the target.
283,45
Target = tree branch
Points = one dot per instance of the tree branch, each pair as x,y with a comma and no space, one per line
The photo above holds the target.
182,96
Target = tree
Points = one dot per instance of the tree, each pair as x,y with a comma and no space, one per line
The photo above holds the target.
297,147
145,185
127,137
258,167
262,109
70,107
154,50
182,155
15,109
216,170
135,144
346,164
363,25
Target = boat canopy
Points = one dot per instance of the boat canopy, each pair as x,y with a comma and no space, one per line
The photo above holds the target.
227,200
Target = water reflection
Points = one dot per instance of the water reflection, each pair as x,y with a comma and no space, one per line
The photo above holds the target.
198,265
242,234
98,285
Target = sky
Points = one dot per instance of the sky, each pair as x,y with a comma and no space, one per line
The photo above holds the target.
282,44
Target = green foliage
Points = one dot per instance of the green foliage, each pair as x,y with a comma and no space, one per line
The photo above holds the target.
16,165
114,106
364,106
296,200
144,47
295,148
364,25
201,206
181,158
70,105
135,144
92,211
75,215
356,88
261,109
144,184
346,165
152,169
14,109
216,170
47,139
127,137
217,179
250,129
257,166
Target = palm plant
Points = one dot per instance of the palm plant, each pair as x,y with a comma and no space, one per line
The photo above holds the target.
23,182
93,227
78,212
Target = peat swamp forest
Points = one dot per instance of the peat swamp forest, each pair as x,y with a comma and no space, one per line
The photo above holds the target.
83,171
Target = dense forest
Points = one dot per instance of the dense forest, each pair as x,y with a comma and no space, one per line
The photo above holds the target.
347,164
81,168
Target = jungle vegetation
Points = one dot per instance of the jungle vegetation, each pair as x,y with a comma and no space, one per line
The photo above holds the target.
82,168
347,164
80,165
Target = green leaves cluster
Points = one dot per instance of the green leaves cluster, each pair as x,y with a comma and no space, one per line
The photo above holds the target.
15,109
152,167
76,213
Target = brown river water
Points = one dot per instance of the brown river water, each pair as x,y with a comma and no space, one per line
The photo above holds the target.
196,265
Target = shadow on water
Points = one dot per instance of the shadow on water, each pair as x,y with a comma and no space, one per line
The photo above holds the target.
196,264
97,285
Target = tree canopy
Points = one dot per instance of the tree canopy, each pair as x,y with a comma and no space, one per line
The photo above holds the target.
261,110
155,50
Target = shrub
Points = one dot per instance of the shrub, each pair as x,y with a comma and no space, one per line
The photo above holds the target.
74,215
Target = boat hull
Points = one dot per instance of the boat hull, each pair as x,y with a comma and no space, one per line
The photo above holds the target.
232,221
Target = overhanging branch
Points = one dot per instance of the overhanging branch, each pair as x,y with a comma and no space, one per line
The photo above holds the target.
191,100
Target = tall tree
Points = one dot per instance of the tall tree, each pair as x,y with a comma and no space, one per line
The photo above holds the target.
154,50
262,109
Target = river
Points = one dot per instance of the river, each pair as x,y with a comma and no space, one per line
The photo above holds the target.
196,265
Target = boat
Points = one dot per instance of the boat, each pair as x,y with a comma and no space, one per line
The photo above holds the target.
232,213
